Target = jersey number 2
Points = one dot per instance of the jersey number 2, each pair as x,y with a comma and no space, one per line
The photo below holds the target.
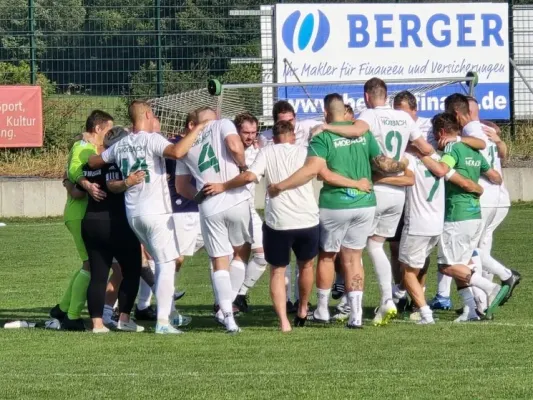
138,165
434,188
208,159
397,137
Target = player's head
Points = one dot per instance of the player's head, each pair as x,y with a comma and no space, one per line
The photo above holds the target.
406,101
348,113
198,116
114,135
473,105
445,124
375,92
458,104
283,132
247,126
142,117
283,111
334,108
99,122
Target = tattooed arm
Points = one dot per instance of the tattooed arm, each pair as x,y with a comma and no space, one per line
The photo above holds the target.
388,165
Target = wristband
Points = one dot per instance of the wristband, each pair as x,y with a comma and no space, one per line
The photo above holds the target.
243,168
126,183
435,157
449,174
459,139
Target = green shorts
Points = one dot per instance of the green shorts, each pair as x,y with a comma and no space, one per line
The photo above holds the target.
74,227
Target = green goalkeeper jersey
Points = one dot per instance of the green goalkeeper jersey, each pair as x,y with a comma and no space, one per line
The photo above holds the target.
78,157
349,158
461,205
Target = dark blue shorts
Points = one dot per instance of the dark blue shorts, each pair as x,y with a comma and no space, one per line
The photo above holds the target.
278,244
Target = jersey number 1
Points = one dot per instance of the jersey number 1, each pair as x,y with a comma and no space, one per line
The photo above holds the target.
138,165
389,138
208,159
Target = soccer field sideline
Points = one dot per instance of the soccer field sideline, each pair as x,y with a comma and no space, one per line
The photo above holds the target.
477,360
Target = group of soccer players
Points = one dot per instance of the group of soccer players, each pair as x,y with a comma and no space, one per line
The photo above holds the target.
388,175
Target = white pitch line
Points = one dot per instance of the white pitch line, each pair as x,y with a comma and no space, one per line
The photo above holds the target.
484,323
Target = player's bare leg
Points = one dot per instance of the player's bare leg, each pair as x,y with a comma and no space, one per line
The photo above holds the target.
354,278
279,296
305,286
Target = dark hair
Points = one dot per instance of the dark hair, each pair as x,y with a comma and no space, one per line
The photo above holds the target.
330,99
282,107
245,117
457,103
97,117
282,127
446,121
376,87
194,115
405,96
348,109
114,135
472,98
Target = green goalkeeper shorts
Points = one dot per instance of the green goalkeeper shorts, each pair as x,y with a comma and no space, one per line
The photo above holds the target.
74,227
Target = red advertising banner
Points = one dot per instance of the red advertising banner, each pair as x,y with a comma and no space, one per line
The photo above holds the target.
21,116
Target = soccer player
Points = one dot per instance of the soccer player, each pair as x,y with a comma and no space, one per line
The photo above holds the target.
148,206
284,111
218,156
247,126
393,130
462,223
346,215
68,311
348,113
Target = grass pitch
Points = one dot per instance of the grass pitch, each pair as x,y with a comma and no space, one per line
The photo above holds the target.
402,360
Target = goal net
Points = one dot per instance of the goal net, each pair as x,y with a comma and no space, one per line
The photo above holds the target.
306,98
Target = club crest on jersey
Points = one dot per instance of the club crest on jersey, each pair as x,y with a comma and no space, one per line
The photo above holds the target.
469,161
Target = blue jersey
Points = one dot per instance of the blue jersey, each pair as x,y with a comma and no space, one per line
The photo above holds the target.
179,203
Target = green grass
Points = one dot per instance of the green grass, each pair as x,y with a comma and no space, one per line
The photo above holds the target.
402,360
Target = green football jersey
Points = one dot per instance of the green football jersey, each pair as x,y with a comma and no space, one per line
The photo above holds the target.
349,158
461,205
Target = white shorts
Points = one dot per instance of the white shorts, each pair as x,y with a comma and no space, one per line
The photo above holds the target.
348,228
226,230
491,218
158,234
415,249
257,229
188,232
458,241
388,213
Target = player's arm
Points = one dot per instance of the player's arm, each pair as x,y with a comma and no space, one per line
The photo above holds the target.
180,149
236,148
312,167
500,144
490,173
212,189
71,188
407,179
357,129
334,179
466,184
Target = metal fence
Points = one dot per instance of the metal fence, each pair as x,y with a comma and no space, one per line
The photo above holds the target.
100,53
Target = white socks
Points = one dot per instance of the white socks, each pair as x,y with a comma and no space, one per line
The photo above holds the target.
237,272
482,283
444,284
255,269
211,271
322,310
164,290
492,266
469,302
145,291
382,267
224,293
356,308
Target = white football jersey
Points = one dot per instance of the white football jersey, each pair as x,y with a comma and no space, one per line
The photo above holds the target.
251,153
424,126
493,195
210,161
302,131
424,201
143,151
393,129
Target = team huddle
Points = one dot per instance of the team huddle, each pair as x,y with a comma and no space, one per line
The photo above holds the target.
139,203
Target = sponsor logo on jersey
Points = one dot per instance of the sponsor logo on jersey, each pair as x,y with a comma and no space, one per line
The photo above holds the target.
394,122
343,142
131,149
470,162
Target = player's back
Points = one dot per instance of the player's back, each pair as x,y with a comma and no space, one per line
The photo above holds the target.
209,160
143,151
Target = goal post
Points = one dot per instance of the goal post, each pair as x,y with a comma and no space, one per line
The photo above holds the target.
228,100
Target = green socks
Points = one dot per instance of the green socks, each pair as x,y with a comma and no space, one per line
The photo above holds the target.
65,300
78,296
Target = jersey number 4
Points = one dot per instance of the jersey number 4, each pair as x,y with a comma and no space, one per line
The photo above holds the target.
208,159
138,165
390,138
